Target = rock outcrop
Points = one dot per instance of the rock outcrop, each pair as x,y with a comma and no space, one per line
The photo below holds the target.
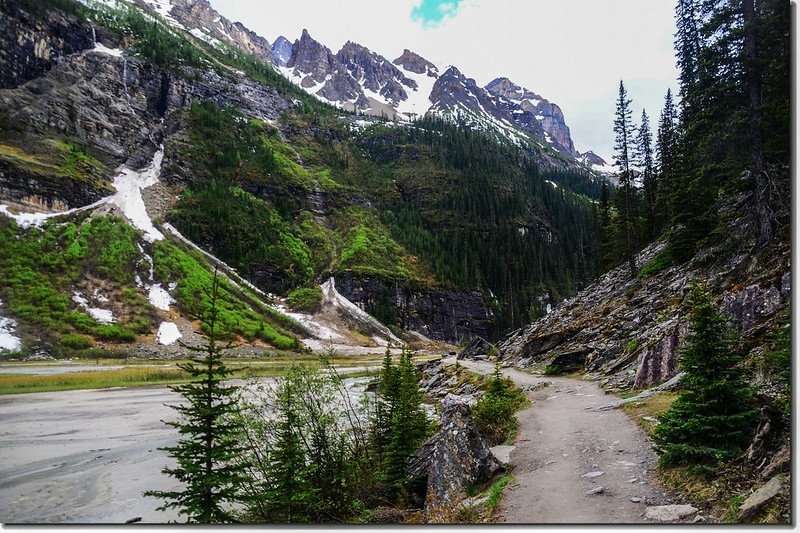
757,502
477,348
111,104
30,46
416,63
312,61
441,314
282,51
627,332
203,21
454,458
530,110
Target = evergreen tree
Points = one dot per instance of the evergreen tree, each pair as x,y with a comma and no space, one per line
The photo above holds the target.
604,231
408,425
385,402
209,444
624,143
687,44
644,156
713,418
666,152
734,60
289,494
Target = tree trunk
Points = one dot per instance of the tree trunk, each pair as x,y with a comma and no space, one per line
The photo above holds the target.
763,212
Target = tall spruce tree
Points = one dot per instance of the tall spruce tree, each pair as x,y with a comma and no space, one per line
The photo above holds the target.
209,445
687,44
604,254
666,153
289,494
644,161
713,418
623,146
408,424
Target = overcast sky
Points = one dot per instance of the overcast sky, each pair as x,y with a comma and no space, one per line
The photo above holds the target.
572,52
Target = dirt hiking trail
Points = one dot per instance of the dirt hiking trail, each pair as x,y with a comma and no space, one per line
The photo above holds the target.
573,465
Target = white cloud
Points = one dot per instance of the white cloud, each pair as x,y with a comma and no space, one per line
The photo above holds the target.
572,52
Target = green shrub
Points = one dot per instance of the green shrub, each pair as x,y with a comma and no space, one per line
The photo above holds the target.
552,370
494,412
76,342
115,334
306,300
632,346
662,261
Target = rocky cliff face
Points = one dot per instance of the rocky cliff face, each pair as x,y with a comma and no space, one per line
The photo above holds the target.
30,46
282,51
628,332
440,314
94,96
311,61
416,63
204,22
533,112
455,94
375,73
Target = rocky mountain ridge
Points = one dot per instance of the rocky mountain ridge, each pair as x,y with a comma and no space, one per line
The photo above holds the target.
357,79
72,91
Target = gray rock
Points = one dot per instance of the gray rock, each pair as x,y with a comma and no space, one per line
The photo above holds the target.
454,458
476,501
199,14
596,473
750,304
475,347
597,490
699,519
447,315
503,453
669,513
760,498
636,499
533,112
415,63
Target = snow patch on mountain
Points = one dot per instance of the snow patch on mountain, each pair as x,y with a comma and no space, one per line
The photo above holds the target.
129,184
168,333
419,100
203,36
104,316
103,49
159,297
164,8
8,341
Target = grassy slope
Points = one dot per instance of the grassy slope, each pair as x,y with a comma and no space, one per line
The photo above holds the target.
42,269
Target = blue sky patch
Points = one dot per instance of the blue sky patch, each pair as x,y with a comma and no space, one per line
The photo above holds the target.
432,12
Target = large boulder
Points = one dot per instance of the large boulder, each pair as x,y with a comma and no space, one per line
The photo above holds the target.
478,346
454,458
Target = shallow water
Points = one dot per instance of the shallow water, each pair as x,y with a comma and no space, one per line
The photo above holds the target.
53,369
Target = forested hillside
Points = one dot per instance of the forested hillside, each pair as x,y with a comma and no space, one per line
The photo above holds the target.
430,226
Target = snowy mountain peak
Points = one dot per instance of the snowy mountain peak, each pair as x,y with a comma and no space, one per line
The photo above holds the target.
596,163
282,50
527,106
200,19
417,64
